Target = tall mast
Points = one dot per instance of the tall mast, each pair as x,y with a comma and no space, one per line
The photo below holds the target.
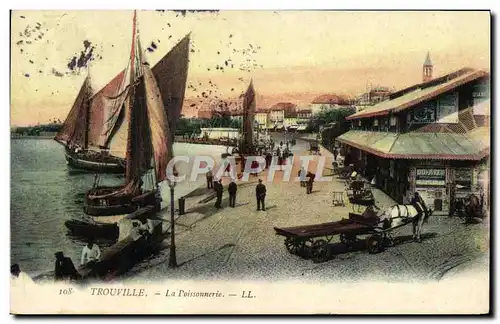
131,99
87,111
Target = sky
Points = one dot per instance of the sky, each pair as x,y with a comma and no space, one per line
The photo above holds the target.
290,55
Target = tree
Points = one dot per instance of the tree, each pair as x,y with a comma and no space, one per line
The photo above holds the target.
335,115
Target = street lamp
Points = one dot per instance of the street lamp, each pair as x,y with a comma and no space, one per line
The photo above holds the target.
172,263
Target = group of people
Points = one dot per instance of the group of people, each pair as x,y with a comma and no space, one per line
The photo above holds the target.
232,189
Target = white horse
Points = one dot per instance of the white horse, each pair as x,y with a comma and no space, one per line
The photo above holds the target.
398,215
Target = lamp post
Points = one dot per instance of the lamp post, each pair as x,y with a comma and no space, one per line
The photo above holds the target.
172,263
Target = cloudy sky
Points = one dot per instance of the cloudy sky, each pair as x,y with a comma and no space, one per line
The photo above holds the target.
293,55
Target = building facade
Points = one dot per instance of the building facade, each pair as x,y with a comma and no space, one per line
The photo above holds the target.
328,101
428,138
261,117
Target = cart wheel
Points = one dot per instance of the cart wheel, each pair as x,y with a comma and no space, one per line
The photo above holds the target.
388,241
320,251
374,244
291,245
294,246
347,240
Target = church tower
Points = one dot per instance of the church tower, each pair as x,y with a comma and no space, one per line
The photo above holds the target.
427,69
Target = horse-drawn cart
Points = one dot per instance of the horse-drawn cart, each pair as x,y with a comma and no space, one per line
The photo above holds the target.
312,241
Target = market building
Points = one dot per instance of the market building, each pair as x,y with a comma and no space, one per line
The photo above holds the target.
433,138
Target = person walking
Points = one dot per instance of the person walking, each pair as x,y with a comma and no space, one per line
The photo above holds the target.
269,159
335,154
232,188
260,192
218,191
210,179
302,176
310,180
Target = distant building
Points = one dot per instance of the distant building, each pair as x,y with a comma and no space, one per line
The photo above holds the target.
328,101
277,114
290,119
236,115
205,114
217,133
262,118
372,97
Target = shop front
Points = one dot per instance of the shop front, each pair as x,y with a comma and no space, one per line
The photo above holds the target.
430,183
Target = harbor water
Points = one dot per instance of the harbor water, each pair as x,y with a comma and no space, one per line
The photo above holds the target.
45,192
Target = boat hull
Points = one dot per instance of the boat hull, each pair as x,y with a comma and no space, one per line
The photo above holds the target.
96,205
86,229
82,161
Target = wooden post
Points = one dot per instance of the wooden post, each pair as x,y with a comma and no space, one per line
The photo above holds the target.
172,263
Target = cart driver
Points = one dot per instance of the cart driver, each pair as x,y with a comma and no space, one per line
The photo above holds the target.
418,203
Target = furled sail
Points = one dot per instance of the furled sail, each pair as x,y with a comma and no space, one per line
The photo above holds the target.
171,75
74,130
248,119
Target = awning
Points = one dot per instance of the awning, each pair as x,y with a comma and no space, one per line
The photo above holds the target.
474,145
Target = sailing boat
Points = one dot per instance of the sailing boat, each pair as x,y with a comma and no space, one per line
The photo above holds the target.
77,135
247,145
138,128
86,134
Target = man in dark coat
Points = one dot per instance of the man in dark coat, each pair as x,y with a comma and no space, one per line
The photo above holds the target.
269,159
218,191
260,192
64,268
232,188
335,154
309,184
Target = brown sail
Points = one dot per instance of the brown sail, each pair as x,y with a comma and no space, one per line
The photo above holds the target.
248,119
171,75
99,110
74,130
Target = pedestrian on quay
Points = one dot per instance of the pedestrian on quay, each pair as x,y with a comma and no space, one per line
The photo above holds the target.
309,184
218,191
210,179
302,176
232,188
269,159
260,192
335,154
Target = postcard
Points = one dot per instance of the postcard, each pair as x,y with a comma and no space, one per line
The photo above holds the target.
250,162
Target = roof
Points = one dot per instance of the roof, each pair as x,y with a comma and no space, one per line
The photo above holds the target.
331,99
428,60
283,106
424,92
474,145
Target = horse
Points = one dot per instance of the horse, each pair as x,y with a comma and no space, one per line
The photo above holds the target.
403,214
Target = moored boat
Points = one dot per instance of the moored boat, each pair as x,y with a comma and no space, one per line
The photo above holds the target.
138,129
